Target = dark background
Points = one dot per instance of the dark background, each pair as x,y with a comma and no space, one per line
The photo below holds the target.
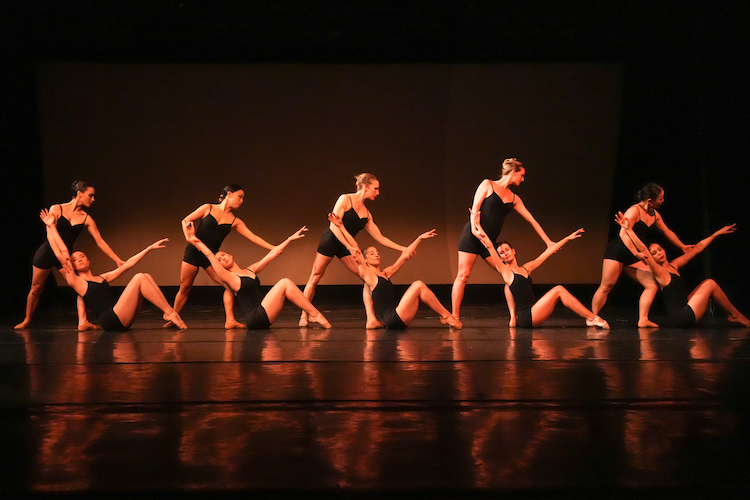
682,116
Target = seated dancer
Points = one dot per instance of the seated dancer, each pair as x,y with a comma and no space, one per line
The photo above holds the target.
258,311
113,314
683,309
525,310
394,313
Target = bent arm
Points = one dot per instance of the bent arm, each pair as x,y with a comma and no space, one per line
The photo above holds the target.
530,266
523,212
195,215
128,264
103,245
276,251
243,230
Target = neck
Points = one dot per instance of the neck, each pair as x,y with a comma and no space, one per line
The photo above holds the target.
224,205
504,181
646,206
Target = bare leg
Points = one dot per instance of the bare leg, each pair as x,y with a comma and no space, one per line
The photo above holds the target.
83,320
511,305
611,270
188,272
709,289
465,265
38,278
409,304
650,288
286,289
544,307
372,322
319,268
143,286
228,300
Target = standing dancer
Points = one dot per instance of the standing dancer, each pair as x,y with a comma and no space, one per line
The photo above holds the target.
258,311
495,200
525,310
683,310
71,217
113,314
620,252
350,208
396,314
217,221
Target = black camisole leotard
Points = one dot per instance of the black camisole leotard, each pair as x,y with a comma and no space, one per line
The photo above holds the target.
385,301
212,234
249,297
44,257
523,296
100,300
680,314
616,249
330,246
493,212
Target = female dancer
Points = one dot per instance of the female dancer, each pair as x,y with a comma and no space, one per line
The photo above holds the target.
619,253
396,314
495,200
72,218
113,314
525,310
217,221
683,310
258,311
350,208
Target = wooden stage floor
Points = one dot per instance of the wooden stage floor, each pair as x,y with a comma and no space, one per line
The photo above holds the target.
562,411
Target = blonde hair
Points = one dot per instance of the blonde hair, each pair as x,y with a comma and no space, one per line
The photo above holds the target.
363,180
510,165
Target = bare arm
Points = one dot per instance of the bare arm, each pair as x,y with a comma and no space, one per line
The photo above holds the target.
700,246
228,278
407,253
128,264
276,251
374,231
243,230
523,212
531,265
195,215
660,274
103,245
483,191
61,252
500,266
670,234
346,239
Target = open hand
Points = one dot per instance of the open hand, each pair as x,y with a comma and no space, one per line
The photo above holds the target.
47,217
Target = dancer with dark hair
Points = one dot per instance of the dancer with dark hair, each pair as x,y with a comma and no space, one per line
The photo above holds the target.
395,313
72,218
259,312
683,309
619,253
216,222
113,314
525,310
350,208
494,200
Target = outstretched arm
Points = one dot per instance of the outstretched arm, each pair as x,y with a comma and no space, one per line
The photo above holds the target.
500,266
523,212
61,252
242,229
701,245
276,251
660,274
103,245
673,239
407,252
374,231
531,265
128,264
228,278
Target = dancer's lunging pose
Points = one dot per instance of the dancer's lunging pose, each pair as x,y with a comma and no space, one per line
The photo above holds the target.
619,253
495,200
216,222
683,309
258,311
113,314
525,310
350,209
395,313
71,219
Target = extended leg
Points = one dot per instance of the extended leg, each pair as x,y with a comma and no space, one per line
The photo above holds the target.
611,270
319,268
465,265
544,307
38,278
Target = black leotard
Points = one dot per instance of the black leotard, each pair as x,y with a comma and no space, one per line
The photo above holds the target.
100,301
330,246
44,258
493,211
680,314
385,302
523,296
616,249
212,234
249,297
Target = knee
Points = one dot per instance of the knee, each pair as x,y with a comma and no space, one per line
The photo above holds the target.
36,288
185,288
650,288
606,286
463,276
419,284
710,283
286,282
560,291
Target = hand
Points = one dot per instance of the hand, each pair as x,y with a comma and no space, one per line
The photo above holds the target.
68,265
47,217
623,221
575,234
429,234
686,248
354,251
298,234
642,256
119,262
727,229
335,219
158,244
476,226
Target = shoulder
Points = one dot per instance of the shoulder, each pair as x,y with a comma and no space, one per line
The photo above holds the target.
634,210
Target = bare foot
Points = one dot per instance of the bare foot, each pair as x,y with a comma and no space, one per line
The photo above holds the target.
647,324
740,318
175,319
168,324
22,325
374,325
233,324
452,321
320,319
88,325
303,319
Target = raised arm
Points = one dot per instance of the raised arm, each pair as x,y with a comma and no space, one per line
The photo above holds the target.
407,252
103,245
531,265
345,238
276,251
523,212
500,266
228,278
660,274
673,239
128,264
243,230
700,246
61,252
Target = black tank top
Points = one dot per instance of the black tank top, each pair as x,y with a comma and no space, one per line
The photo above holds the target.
523,293
493,212
249,295
211,233
675,296
647,234
99,297
384,296
352,222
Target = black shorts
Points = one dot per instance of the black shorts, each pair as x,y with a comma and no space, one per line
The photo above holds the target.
257,319
110,322
195,257
392,320
330,246
684,318
616,250
44,258
470,244
523,319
